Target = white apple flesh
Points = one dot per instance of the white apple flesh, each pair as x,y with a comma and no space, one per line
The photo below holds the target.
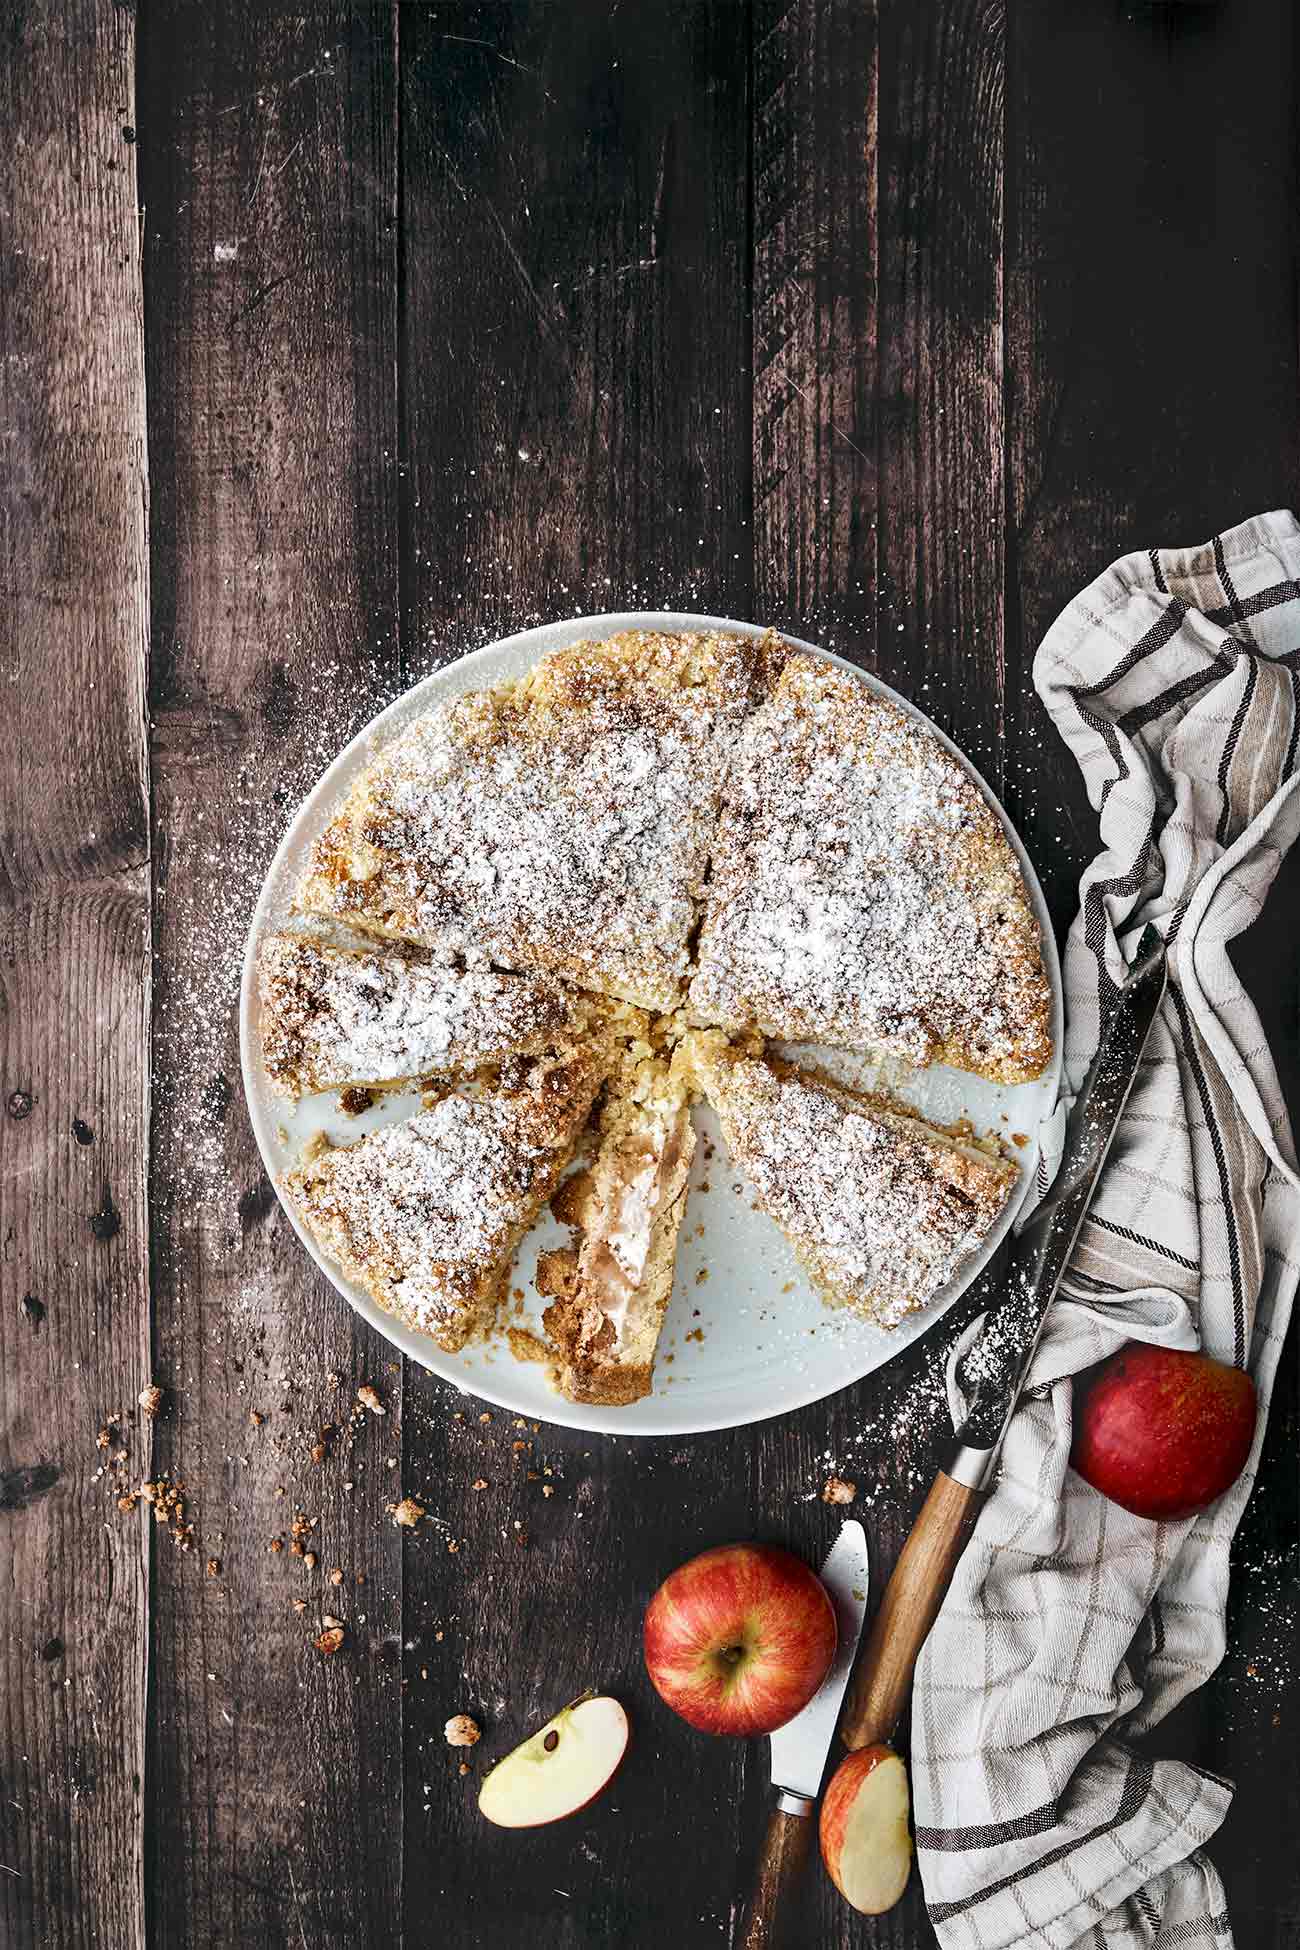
562,1767
866,1845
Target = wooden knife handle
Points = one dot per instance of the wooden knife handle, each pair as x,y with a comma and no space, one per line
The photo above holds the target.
907,1611
780,1867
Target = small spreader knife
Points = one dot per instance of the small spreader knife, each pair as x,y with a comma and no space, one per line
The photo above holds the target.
800,1747
992,1372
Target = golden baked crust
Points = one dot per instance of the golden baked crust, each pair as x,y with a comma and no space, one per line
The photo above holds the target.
338,1011
562,823
863,893
610,1295
880,1207
426,1214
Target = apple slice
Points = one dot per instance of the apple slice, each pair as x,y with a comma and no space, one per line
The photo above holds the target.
560,1769
866,1845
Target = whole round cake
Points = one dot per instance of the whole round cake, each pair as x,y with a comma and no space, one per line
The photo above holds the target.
568,907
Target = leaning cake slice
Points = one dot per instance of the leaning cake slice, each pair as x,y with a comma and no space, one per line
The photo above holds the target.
426,1214
562,823
337,1010
611,1293
880,1207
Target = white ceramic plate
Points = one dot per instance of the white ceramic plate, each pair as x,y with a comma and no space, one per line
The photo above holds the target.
745,1337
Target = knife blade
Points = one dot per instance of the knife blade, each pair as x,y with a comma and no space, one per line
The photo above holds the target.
800,1747
992,1372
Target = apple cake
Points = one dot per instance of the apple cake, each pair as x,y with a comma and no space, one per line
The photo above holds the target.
880,1207
610,1294
338,1011
562,823
863,894
736,836
426,1214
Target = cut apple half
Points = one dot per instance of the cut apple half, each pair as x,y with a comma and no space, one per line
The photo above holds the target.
866,1843
560,1768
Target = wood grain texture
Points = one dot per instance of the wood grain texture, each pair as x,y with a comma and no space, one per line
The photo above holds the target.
575,342
882,1684
1152,381
776,1912
269,163
815,312
74,984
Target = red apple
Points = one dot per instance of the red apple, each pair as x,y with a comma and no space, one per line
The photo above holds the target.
739,1639
866,1845
1161,1431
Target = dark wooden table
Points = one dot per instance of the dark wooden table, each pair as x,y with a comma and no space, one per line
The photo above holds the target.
339,339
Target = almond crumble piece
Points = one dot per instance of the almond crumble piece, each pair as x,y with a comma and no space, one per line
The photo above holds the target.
329,1640
369,1398
150,1399
838,1490
461,1731
407,1513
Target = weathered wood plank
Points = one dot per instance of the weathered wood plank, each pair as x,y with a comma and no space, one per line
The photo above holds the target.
1152,399
575,345
577,432
269,166
815,219
74,983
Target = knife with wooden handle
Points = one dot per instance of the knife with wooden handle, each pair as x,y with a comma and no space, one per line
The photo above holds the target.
992,1372
799,1751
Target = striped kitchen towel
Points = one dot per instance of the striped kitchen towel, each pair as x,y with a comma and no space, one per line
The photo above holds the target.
1072,1628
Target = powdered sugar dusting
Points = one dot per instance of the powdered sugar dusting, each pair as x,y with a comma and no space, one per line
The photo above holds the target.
863,893
335,1012
881,1214
563,826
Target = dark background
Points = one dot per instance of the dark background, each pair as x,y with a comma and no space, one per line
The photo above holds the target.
341,339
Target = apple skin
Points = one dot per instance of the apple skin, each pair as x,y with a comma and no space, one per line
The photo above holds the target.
1162,1431
739,1639
863,1828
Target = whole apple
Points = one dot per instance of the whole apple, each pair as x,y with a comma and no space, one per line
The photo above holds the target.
1161,1431
739,1639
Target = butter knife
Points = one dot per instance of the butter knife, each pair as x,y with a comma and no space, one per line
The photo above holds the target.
800,1747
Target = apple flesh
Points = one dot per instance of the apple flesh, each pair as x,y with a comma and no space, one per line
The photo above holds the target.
1163,1431
866,1843
560,1769
739,1639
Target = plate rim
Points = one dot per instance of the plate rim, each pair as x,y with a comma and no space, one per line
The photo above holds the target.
445,682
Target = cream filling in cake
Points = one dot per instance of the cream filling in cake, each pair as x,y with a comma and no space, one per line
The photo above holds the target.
611,1295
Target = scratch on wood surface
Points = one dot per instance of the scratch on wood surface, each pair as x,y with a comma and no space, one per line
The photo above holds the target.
472,40
297,1902
778,367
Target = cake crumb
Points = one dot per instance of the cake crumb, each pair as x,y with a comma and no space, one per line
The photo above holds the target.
407,1513
461,1731
369,1398
150,1399
838,1489
329,1640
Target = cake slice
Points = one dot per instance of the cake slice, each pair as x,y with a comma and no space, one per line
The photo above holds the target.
880,1207
426,1214
561,824
338,1011
864,894
612,1292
